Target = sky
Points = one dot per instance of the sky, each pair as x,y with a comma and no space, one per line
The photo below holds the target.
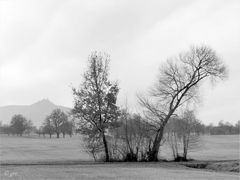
44,47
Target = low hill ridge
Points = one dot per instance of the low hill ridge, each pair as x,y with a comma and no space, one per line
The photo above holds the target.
36,112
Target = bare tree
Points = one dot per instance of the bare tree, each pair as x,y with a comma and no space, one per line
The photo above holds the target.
38,131
183,135
48,126
57,118
67,128
93,145
133,136
178,83
95,101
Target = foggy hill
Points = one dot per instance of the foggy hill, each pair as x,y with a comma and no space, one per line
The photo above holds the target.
36,112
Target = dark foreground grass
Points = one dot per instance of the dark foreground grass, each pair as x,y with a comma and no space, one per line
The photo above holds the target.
135,171
221,166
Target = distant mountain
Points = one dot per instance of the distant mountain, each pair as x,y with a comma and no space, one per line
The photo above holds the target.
36,112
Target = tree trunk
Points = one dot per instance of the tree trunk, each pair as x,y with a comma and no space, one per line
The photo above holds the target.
185,153
185,147
57,135
50,135
63,135
153,154
105,147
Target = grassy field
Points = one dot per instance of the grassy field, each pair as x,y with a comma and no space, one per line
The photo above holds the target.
134,171
32,149
218,147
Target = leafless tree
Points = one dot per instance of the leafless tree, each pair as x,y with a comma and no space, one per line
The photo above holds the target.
57,118
48,126
183,136
178,82
93,145
131,139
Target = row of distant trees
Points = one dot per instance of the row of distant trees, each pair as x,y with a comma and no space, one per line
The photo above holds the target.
114,134
223,128
56,123
19,125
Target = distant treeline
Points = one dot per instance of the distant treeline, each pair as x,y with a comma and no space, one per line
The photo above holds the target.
19,125
223,128
56,123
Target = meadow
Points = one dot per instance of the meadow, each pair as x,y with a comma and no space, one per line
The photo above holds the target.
65,158
15,149
134,171
31,149
215,147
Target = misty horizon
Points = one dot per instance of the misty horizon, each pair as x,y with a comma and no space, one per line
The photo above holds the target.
44,51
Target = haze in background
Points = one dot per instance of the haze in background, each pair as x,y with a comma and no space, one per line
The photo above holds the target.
44,46
36,112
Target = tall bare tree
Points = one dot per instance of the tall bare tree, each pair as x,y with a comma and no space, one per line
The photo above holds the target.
178,83
95,101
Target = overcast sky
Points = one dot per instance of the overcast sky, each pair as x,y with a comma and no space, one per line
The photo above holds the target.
44,46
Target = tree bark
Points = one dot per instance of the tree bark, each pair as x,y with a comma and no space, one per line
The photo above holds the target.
57,135
153,154
105,147
185,147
